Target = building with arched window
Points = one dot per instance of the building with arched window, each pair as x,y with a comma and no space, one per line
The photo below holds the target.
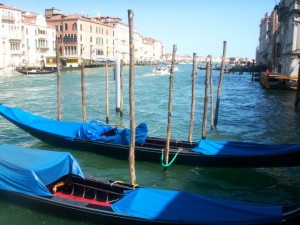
10,36
92,41
39,40
279,39
25,38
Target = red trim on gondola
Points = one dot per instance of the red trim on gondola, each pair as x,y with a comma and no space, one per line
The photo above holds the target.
90,201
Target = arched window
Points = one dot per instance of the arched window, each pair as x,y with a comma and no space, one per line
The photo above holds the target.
66,26
74,26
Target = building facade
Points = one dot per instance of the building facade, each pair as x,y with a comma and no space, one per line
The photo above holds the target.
147,50
26,40
262,51
279,41
29,39
81,38
10,36
38,40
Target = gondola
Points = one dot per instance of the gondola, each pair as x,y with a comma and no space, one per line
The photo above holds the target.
35,71
108,140
53,182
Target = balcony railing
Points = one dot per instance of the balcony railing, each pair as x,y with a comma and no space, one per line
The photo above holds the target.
8,19
42,49
16,52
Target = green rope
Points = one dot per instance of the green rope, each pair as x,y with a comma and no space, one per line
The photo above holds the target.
170,163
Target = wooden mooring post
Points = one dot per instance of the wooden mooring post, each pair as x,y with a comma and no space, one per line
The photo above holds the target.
131,100
83,93
118,84
58,81
205,102
298,87
168,138
121,87
220,83
190,137
212,124
106,88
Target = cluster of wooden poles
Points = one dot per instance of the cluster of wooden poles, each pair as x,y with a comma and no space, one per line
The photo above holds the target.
208,96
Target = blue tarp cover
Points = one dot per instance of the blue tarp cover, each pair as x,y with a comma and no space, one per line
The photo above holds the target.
183,207
71,130
95,130
66,130
232,148
29,171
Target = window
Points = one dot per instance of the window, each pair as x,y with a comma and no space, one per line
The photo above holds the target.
99,41
278,50
100,52
14,46
66,26
74,27
75,37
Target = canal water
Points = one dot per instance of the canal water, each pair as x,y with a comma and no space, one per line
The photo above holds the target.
248,112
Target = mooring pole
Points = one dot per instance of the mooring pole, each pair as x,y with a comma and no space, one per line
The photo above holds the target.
205,102
190,137
121,87
170,110
212,126
107,97
298,87
220,83
118,84
83,93
131,101
58,81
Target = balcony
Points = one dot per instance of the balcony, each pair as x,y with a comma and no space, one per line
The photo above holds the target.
16,52
8,19
42,49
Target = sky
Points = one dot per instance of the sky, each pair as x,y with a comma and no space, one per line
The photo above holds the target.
194,26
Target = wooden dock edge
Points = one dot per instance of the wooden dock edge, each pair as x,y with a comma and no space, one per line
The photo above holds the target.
281,80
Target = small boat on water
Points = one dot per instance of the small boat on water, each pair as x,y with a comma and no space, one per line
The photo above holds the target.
175,69
53,182
32,71
101,138
161,70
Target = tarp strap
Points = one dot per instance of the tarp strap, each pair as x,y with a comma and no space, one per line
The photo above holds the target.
170,163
